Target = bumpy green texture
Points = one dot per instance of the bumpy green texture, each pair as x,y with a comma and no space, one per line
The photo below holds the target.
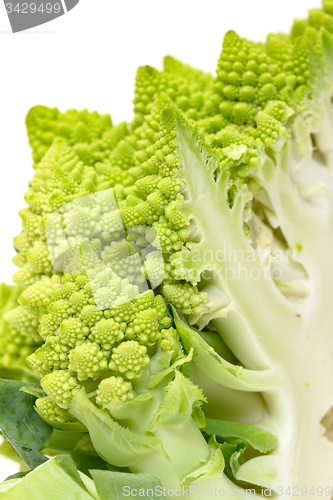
51,412
86,342
87,132
129,359
114,388
15,345
60,178
226,180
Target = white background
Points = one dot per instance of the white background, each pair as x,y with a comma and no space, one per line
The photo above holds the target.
88,59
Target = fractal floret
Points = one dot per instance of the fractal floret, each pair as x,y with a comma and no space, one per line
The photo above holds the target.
170,325
19,339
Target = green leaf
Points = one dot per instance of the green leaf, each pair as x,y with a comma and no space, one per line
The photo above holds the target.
120,410
70,442
232,452
228,449
218,345
56,479
117,485
31,457
219,369
33,389
160,376
17,475
7,451
213,467
259,439
18,418
85,462
181,395
237,459
67,464
262,471
199,417
116,444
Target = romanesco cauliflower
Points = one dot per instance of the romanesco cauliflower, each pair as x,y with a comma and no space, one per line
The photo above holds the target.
178,269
